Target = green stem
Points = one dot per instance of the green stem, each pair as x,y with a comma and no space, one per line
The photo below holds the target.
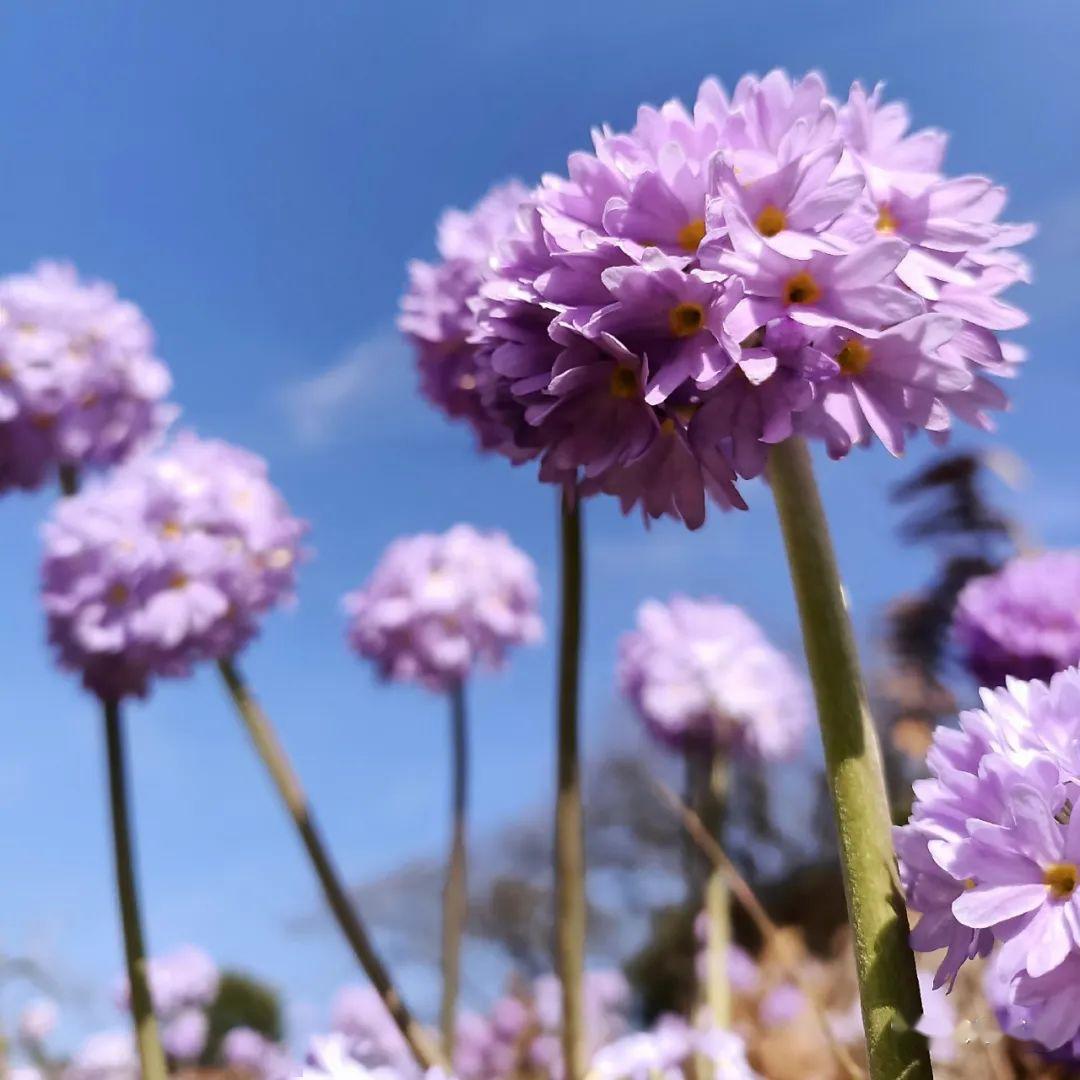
717,903
883,959
151,1056
707,791
455,893
69,480
292,794
570,911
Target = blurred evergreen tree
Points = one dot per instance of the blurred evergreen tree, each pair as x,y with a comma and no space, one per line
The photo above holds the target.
242,1001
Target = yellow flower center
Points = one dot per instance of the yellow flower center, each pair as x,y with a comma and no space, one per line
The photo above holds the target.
970,883
771,221
1061,879
279,558
690,236
117,594
667,426
7,373
886,223
802,289
178,581
686,320
624,382
171,530
854,357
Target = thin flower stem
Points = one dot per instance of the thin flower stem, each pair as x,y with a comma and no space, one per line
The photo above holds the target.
292,794
151,1056
570,910
884,963
69,480
717,904
455,893
740,889
707,789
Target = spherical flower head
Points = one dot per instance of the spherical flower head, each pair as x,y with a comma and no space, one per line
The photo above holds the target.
701,673
170,560
684,250
183,1036
1023,620
185,979
992,852
435,311
438,606
38,1020
79,382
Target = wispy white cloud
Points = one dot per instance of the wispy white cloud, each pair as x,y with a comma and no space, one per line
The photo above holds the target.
367,381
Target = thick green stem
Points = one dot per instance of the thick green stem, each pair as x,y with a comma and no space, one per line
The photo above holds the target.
883,958
292,794
570,911
151,1056
455,892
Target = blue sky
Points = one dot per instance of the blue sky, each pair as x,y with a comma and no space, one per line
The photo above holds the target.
256,176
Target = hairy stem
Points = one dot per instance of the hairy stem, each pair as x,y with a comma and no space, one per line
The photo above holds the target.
884,963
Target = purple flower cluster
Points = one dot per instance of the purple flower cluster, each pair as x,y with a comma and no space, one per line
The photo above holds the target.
702,673
669,1051
79,382
519,1034
992,851
722,277
253,1054
368,1033
438,606
1023,620
183,985
105,1055
170,560
435,311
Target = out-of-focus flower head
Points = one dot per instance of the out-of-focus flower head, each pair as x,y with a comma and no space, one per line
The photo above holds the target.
170,560
183,1036
938,1021
38,1021
992,851
329,1058
702,673
106,1055
669,1051
1023,620
439,606
435,311
712,281
366,1029
79,382
251,1052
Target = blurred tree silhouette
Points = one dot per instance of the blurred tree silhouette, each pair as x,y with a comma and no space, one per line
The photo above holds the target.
241,1001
